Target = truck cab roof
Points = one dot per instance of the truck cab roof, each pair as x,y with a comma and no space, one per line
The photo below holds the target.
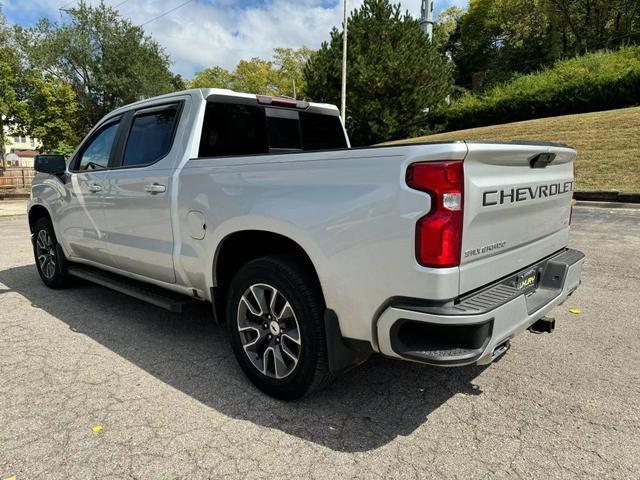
212,93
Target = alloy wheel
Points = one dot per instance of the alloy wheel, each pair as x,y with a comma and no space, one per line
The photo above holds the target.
269,331
46,253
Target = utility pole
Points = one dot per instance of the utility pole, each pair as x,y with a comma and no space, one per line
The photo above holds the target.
343,101
426,17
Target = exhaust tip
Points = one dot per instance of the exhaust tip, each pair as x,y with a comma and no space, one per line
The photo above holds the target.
543,325
500,350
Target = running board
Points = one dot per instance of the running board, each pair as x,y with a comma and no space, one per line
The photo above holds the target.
172,301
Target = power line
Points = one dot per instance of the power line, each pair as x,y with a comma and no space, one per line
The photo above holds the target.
64,7
166,13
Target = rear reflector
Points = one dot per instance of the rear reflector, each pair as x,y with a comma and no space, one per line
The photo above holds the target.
439,232
282,102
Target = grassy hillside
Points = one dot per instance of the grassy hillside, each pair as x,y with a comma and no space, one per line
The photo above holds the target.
608,144
593,82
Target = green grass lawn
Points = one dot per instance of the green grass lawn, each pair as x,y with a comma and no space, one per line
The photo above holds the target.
608,144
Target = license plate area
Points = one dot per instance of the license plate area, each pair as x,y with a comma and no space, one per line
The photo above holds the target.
527,281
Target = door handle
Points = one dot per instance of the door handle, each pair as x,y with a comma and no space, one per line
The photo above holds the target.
155,188
95,188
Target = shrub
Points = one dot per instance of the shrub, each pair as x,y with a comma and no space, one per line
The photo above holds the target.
596,81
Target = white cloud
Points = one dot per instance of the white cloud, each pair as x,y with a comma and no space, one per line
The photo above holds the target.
203,35
221,32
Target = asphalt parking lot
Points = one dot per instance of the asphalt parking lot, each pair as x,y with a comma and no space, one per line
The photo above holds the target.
173,404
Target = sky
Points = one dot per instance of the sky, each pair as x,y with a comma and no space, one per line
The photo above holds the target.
203,33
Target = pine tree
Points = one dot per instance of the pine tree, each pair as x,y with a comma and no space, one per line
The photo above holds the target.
394,74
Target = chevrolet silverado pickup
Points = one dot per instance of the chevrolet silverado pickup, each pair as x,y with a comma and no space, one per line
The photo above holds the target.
314,254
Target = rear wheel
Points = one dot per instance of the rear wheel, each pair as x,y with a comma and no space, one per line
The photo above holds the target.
50,260
275,320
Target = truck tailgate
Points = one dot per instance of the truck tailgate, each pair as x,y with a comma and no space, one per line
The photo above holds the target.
515,213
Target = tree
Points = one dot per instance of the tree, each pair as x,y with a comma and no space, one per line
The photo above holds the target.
289,64
596,24
264,77
255,76
446,25
494,39
10,106
32,104
105,59
395,73
50,113
214,77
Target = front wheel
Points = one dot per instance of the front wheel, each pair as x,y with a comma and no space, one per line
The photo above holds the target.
275,320
50,260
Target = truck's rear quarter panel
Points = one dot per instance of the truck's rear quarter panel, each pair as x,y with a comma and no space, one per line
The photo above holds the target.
355,216
350,210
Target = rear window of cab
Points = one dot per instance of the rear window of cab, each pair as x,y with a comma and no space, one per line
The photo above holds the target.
236,129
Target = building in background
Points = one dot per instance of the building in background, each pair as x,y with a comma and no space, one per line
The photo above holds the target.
19,150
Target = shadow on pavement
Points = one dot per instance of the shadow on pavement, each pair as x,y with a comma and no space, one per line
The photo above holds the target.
363,410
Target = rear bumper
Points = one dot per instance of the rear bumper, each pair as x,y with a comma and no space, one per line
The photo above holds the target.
476,328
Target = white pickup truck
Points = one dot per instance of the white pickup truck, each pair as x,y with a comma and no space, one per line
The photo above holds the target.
313,253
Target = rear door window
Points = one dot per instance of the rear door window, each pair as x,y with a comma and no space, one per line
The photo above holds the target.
151,135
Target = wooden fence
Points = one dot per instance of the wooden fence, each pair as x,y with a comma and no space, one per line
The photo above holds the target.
16,179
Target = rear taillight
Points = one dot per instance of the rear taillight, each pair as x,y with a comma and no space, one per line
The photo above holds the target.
439,233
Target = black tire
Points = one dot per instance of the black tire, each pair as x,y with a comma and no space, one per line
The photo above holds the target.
295,284
53,269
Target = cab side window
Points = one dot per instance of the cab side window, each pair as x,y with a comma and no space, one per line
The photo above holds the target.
151,136
95,155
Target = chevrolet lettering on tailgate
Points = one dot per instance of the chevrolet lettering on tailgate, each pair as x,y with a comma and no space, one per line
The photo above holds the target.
520,194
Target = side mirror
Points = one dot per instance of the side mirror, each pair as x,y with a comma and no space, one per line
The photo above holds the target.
52,164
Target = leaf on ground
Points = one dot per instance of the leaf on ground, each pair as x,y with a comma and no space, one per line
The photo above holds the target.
576,310
97,428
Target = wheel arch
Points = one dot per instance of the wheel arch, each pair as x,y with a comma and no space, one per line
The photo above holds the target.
36,212
239,247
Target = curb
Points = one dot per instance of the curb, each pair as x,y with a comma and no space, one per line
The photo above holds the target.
621,197
607,205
